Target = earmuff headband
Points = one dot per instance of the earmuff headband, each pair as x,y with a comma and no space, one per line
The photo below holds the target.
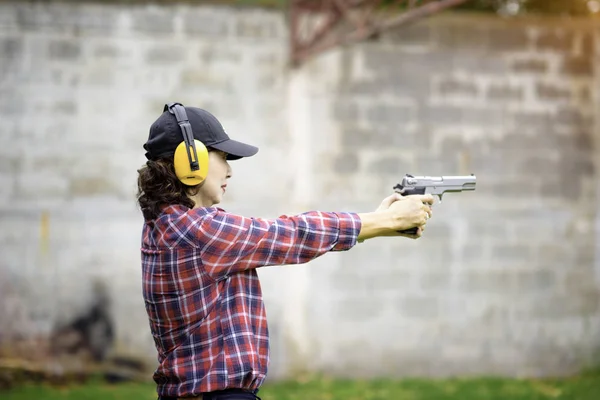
186,129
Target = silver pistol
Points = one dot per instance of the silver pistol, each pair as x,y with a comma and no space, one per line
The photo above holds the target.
435,185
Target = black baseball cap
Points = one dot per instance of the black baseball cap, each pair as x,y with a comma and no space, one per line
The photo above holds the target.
165,135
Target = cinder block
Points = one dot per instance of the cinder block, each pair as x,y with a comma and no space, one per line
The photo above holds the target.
199,23
10,162
452,36
417,34
475,253
374,285
155,21
108,51
485,281
40,185
539,280
577,164
527,119
514,188
441,114
358,308
457,87
417,88
258,28
588,43
379,59
91,186
8,16
556,189
462,353
558,40
394,166
346,163
433,281
558,307
580,279
454,145
217,55
374,138
505,92
582,66
165,55
11,48
534,66
195,77
585,95
490,164
392,281
97,20
421,307
515,39
466,62
356,87
554,91
7,188
511,254
438,229
347,111
573,117
354,137
10,106
442,164
64,50
538,165
389,114
65,107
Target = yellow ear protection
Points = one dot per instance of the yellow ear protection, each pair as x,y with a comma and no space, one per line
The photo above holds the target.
191,155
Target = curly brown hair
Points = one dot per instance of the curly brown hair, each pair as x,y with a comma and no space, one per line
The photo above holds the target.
158,187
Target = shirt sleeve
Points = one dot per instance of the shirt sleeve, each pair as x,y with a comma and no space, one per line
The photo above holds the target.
230,243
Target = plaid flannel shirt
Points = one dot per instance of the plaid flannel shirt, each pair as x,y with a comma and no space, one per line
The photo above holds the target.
203,296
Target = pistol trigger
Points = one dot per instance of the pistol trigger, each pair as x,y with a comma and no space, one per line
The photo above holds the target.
440,197
399,189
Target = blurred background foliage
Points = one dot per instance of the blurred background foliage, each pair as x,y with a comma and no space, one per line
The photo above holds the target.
514,7
503,7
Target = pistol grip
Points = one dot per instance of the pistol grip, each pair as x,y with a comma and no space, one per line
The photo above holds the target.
411,231
408,192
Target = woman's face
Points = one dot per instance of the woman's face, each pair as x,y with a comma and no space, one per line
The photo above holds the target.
215,184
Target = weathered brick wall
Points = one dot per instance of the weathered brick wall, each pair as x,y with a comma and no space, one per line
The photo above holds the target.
507,278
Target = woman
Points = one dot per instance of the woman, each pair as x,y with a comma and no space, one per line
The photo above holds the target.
200,286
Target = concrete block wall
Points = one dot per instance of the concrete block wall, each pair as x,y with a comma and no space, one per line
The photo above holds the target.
507,278
80,85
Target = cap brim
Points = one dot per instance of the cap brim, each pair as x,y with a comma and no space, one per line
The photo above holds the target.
236,150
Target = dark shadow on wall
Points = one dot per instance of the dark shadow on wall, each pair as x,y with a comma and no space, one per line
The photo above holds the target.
91,334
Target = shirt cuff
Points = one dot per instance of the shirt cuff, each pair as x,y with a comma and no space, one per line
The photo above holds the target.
349,225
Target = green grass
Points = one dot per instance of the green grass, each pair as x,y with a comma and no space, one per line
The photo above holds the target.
583,387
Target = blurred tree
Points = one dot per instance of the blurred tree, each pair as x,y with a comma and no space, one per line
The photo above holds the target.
515,7
506,7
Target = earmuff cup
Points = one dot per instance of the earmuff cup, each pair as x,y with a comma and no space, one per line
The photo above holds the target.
182,164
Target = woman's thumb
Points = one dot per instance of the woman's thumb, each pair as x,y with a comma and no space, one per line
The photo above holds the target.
387,202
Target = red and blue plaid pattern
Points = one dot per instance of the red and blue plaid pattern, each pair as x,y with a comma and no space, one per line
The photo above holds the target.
203,296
